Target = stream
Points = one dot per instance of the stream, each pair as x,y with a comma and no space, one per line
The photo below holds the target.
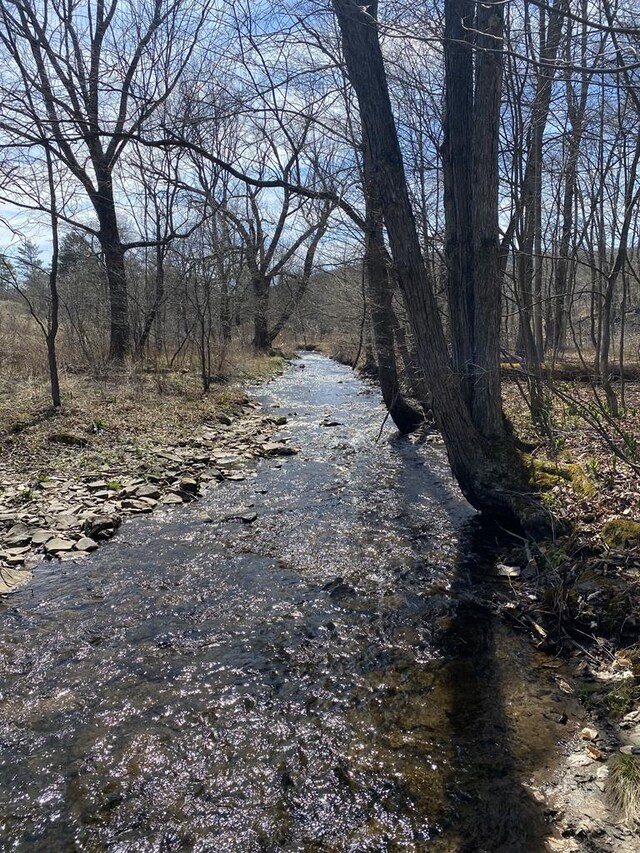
321,679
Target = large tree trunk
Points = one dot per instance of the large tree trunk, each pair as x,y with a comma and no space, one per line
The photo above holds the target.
486,407
113,252
457,168
487,467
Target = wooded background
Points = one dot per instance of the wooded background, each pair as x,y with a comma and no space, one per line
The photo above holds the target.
181,180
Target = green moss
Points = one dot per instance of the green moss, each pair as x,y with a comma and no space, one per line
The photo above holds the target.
544,475
612,700
621,533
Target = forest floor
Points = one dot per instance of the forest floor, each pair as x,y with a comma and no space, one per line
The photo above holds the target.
117,447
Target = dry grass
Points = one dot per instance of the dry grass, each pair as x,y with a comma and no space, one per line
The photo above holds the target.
624,786
133,409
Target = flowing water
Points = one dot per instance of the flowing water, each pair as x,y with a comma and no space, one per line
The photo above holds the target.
318,680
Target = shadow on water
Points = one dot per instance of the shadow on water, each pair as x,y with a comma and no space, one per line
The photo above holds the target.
494,736
488,806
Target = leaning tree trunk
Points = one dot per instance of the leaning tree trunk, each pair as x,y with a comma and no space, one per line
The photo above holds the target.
405,416
113,253
490,472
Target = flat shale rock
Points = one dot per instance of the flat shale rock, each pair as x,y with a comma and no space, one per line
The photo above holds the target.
58,545
40,537
12,578
68,438
86,544
147,492
67,522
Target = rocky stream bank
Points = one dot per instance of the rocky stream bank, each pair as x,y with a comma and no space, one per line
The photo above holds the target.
63,491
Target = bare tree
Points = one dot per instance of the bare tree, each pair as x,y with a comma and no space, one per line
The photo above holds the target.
93,74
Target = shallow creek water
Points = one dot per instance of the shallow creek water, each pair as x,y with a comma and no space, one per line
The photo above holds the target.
318,680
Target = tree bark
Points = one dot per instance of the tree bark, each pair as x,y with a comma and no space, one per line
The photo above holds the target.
486,407
405,417
457,169
488,469
113,252
54,309
261,285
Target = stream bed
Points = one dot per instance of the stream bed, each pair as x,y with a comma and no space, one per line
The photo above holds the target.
318,679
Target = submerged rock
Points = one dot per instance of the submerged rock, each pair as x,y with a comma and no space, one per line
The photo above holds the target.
12,579
274,448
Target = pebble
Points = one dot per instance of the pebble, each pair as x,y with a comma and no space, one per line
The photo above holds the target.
589,734
595,753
